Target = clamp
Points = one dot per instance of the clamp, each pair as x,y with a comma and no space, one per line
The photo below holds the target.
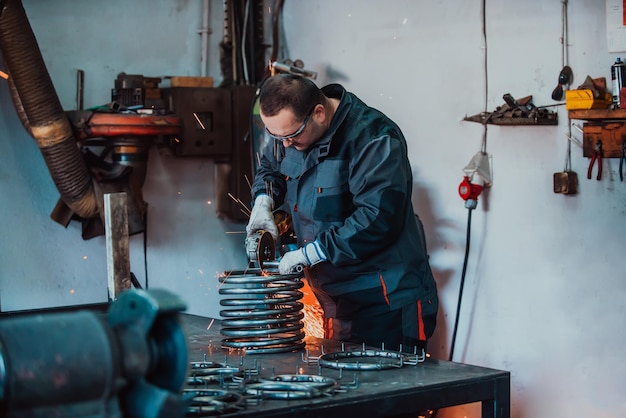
597,156
622,160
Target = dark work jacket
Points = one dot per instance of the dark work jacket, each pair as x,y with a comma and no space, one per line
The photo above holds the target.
352,192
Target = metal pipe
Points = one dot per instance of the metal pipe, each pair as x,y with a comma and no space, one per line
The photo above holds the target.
205,31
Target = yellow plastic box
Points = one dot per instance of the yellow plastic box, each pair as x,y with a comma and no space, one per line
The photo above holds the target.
583,99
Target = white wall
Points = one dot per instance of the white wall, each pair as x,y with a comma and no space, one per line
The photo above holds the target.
544,291
545,287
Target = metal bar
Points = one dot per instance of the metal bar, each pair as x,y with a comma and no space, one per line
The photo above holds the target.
117,244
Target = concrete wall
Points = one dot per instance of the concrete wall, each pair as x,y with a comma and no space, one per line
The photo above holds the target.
545,287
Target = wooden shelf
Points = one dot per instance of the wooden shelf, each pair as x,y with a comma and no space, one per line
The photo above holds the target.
595,114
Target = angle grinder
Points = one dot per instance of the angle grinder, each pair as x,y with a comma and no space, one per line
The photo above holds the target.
261,249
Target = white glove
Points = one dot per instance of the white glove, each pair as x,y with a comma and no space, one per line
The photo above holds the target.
262,217
309,255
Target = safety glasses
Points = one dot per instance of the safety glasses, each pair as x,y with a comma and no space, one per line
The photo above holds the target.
281,138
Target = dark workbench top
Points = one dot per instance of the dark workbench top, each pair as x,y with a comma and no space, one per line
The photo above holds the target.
431,384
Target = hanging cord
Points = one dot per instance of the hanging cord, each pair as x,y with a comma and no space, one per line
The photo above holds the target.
564,62
564,33
246,78
145,247
486,74
458,306
469,211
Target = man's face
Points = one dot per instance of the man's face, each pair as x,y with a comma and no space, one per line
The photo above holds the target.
286,129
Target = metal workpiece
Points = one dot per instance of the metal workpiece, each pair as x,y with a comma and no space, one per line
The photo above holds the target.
131,362
264,312
292,384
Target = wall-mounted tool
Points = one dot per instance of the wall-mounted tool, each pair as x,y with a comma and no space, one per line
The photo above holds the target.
597,156
131,362
297,68
477,177
565,78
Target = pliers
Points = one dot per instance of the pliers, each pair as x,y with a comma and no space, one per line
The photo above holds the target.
622,160
597,155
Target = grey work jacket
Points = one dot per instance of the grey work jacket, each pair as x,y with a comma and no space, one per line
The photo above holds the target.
352,192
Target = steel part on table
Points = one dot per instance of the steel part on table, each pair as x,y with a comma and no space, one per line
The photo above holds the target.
403,390
264,312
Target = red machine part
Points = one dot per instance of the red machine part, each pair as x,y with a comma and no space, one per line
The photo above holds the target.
95,124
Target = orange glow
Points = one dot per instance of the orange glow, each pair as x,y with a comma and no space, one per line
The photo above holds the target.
313,314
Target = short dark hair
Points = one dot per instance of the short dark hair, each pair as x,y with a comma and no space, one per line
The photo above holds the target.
289,91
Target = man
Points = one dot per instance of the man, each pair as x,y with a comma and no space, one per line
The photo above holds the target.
340,169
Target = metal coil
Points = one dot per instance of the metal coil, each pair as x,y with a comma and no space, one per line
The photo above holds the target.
265,313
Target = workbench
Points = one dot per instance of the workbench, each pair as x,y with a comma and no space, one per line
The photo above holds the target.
402,391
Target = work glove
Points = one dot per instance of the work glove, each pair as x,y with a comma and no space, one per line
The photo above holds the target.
262,217
306,256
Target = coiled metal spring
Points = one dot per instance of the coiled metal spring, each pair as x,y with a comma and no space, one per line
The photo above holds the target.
265,313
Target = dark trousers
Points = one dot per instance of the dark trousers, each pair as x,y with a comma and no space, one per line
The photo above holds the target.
403,326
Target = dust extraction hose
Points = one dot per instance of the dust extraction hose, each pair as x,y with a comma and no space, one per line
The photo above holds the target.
46,119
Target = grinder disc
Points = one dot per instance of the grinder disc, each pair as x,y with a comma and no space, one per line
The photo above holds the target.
260,247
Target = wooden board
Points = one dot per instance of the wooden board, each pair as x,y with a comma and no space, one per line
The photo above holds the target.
182,81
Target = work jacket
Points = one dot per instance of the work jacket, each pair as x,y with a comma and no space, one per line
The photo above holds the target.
351,191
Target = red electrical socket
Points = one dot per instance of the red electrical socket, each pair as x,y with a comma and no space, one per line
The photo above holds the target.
469,190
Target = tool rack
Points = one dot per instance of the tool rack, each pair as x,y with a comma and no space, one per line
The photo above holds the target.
605,125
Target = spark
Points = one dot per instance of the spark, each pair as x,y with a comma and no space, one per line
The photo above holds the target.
247,211
198,120
210,324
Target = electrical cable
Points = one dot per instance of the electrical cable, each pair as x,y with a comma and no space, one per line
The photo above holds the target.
243,42
485,62
458,306
565,62
469,216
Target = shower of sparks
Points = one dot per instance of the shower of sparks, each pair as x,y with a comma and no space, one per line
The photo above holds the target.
246,211
313,314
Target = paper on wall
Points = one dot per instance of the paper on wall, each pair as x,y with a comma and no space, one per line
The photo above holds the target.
615,25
